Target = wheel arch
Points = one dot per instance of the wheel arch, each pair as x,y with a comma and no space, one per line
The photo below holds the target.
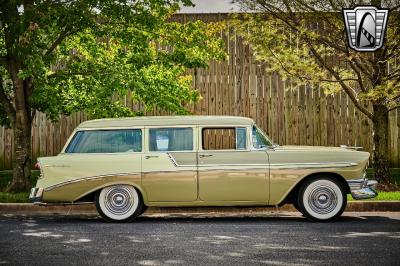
292,195
90,195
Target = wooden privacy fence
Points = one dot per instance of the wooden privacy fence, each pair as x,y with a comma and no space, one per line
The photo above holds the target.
240,86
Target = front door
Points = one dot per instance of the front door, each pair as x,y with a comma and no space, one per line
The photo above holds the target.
169,170
228,169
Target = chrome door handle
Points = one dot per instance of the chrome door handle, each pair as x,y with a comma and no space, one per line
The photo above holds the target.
205,155
150,156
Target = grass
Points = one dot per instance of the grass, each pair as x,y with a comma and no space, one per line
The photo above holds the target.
382,195
5,178
22,197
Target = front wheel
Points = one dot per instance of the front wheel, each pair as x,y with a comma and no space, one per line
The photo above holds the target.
119,203
322,199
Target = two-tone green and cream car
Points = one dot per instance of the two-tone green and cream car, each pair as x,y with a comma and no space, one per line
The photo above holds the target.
125,165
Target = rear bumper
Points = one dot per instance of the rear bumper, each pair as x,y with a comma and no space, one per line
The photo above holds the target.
362,188
36,194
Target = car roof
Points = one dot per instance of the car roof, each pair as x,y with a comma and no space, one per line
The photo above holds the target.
166,121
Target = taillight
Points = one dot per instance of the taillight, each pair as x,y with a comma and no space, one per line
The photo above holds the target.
36,166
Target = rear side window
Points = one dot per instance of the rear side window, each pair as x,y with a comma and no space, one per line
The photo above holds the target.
106,141
170,139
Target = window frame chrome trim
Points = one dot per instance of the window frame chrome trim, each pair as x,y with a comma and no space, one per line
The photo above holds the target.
71,137
147,138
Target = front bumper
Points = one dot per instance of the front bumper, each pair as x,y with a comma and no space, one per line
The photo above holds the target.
36,194
362,188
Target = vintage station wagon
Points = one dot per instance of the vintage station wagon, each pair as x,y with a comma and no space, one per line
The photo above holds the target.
125,165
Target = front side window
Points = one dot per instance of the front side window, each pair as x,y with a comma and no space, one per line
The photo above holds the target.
171,139
259,139
106,141
224,138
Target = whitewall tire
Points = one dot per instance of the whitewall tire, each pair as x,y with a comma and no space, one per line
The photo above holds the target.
322,199
119,203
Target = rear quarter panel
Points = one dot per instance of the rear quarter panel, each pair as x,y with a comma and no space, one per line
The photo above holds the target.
68,177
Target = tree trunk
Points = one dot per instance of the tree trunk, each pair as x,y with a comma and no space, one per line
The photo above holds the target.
380,122
22,161
22,131
22,152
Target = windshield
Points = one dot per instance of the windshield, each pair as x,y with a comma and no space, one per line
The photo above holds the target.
259,139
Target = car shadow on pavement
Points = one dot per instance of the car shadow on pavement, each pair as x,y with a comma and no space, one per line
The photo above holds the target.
219,218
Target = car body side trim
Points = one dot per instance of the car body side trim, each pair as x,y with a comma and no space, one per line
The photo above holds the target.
276,165
80,179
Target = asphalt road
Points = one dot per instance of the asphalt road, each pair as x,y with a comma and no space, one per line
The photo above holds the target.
357,238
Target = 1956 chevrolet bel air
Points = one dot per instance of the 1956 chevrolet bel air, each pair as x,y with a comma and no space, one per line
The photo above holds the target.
125,165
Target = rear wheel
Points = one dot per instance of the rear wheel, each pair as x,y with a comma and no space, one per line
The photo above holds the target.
119,203
322,199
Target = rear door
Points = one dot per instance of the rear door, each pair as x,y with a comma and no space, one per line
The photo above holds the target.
228,169
169,169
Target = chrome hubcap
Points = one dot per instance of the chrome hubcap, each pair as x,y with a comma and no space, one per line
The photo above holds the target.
323,200
118,200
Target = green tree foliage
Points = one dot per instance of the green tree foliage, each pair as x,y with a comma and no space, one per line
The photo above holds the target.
59,57
78,54
305,41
